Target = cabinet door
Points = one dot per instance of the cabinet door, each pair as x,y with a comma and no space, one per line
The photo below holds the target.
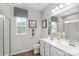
41,51
47,52
54,52
41,48
47,49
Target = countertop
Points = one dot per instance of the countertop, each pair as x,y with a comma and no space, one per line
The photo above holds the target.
63,45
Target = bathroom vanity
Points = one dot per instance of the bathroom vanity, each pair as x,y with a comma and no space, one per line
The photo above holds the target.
57,48
69,25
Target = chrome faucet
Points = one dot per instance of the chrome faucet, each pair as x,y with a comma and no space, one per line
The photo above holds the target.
71,43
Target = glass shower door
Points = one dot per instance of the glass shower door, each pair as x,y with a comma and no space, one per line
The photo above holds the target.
1,36
4,36
72,29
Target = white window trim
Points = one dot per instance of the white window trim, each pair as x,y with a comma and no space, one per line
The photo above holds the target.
20,25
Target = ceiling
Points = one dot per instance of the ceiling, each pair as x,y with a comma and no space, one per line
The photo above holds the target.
35,6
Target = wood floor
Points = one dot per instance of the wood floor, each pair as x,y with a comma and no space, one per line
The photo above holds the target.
29,53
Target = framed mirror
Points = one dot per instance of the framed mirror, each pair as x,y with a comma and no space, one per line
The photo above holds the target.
44,23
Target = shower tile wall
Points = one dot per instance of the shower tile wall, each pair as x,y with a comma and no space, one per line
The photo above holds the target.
72,29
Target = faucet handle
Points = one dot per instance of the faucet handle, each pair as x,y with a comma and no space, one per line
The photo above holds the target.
71,43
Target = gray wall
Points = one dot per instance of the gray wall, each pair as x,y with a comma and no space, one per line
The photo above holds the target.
25,42
21,43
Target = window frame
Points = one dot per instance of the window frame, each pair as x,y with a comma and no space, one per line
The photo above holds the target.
20,25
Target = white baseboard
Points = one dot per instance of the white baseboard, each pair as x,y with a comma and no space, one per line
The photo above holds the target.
21,51
7,55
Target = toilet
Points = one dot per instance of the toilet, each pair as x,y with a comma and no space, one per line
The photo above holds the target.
36,48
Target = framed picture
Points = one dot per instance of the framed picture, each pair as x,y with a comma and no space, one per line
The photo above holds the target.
44,23
32,23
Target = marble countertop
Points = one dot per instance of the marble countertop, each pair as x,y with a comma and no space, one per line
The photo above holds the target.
63,45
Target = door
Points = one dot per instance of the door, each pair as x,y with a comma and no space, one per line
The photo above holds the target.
1,36
4,36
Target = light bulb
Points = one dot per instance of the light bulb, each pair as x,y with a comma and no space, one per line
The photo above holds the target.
61,5
1,15
55,9
67,3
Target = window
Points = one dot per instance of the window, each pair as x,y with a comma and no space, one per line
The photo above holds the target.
20,25
54,27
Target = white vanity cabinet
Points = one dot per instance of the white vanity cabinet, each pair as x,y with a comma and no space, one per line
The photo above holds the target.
42,48
57,52
49,50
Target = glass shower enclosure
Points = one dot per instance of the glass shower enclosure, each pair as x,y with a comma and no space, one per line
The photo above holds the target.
5,35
